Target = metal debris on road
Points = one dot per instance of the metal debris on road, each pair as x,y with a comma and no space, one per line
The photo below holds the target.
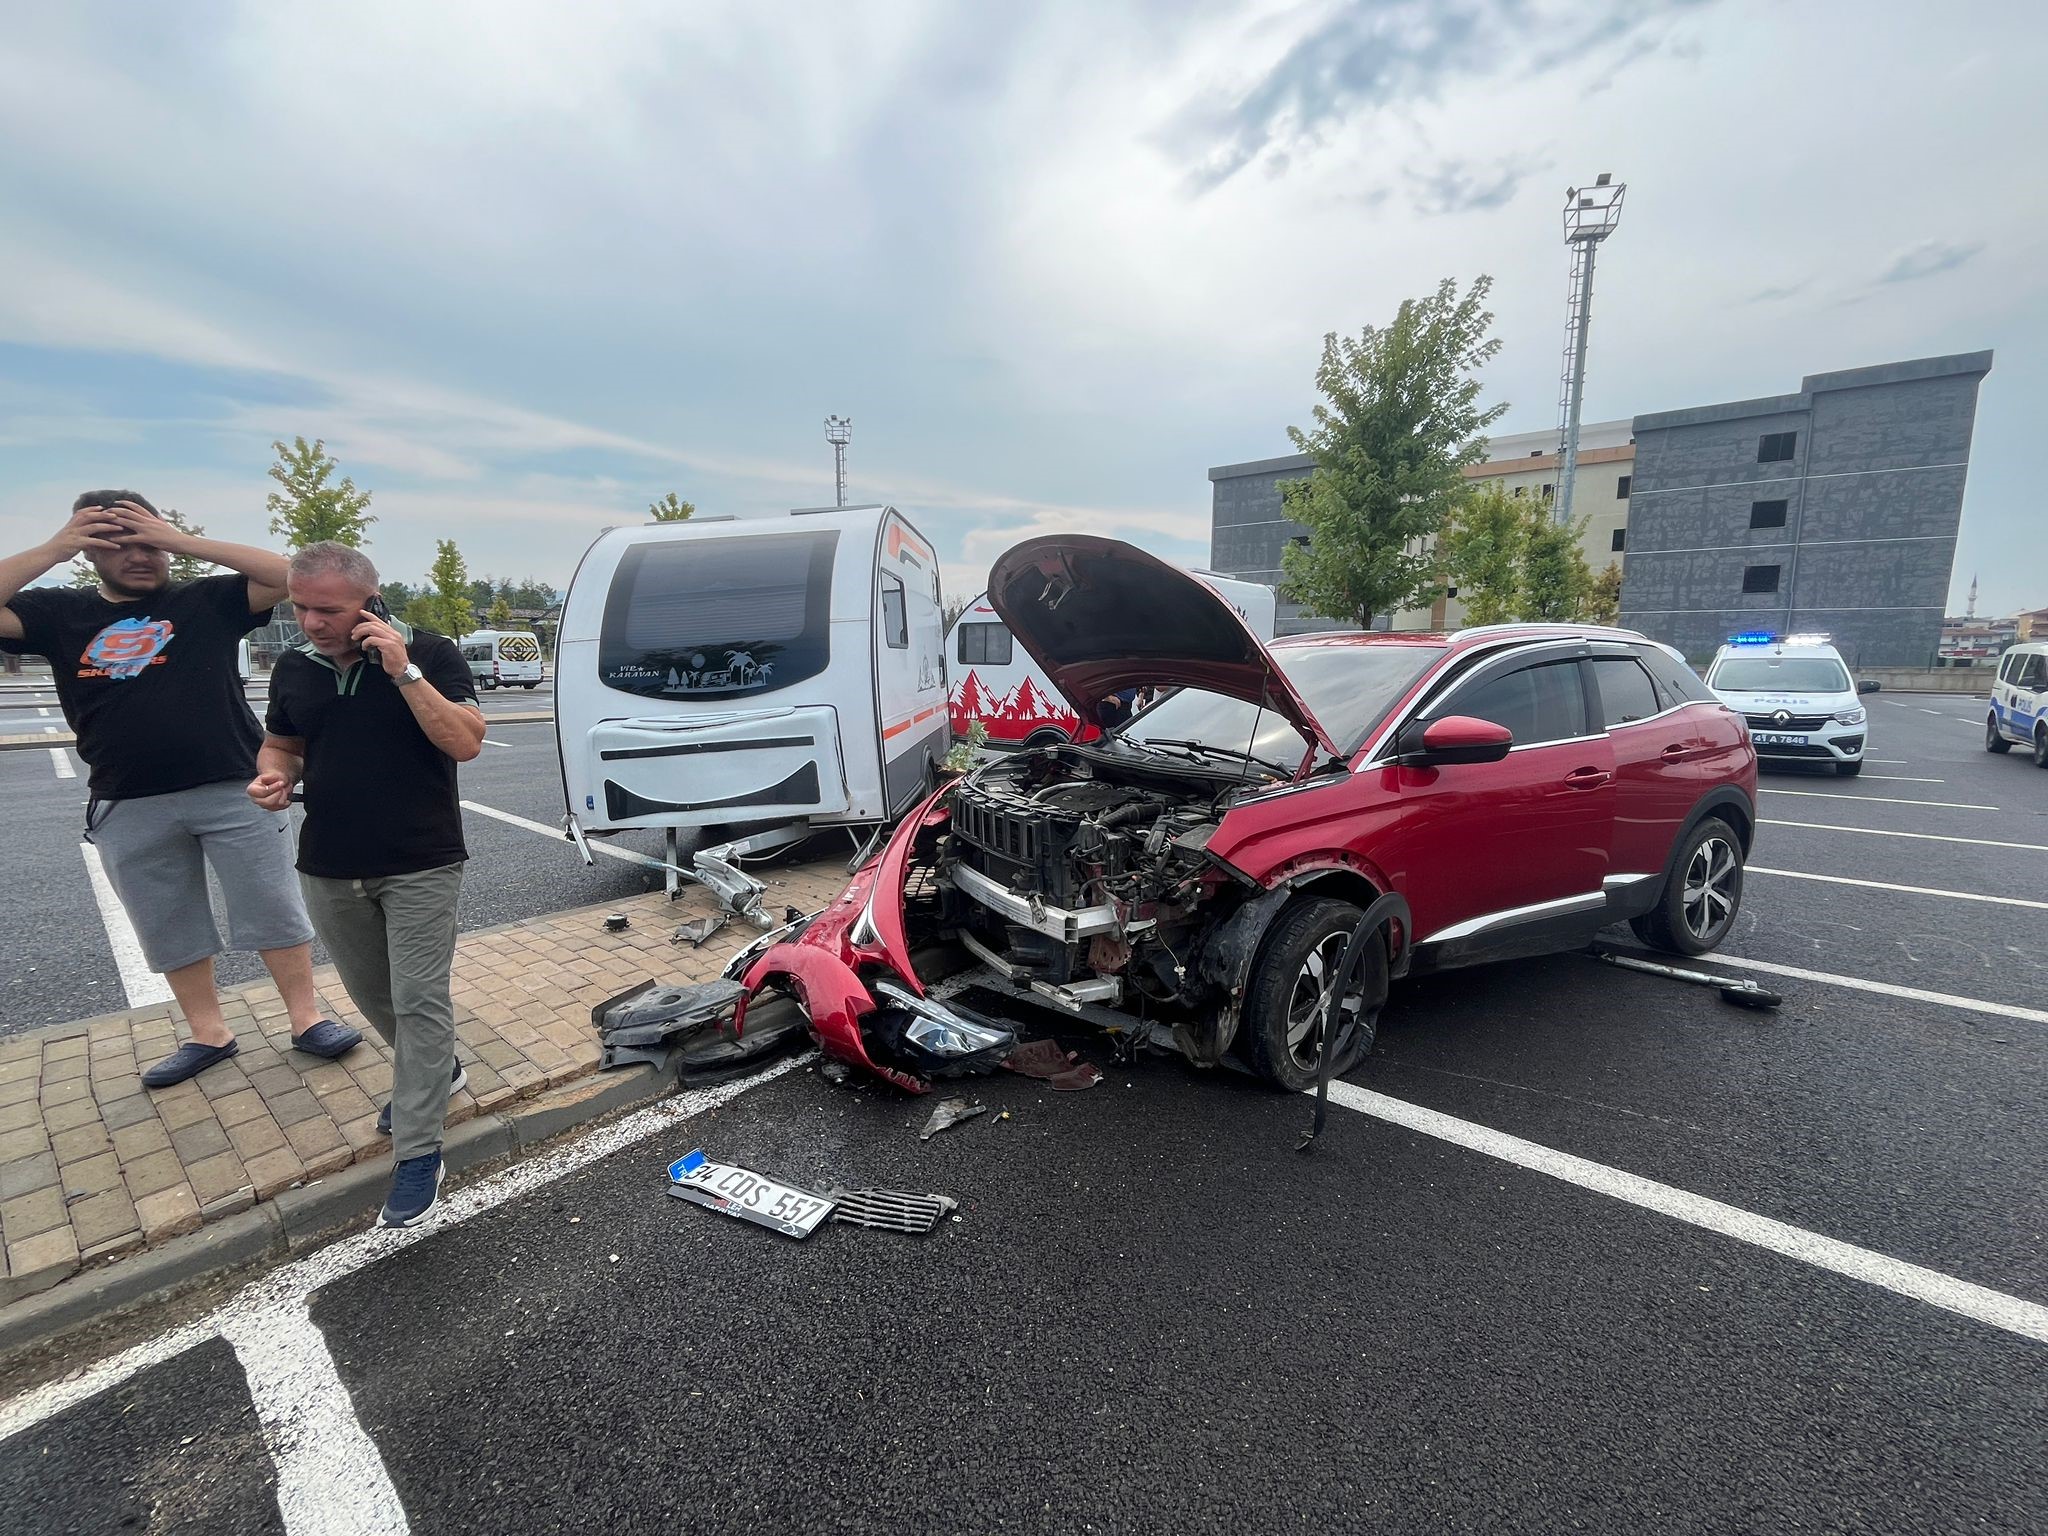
697,930
950,1113
890,1209
688,1027
1741,991
1064,1070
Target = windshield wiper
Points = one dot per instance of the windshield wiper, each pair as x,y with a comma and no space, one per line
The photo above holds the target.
1203,746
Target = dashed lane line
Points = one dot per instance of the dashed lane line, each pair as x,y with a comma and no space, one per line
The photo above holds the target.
60,764
554,834
143,985
1823,794
1980,1303
2011,1011
1901,778
1910,890
1925,837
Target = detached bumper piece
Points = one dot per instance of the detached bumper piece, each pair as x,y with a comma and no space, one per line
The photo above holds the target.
688,1030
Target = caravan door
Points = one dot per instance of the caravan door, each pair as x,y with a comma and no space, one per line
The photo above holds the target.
910,662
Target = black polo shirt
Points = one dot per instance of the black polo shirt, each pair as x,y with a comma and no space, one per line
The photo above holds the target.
380,797
151,686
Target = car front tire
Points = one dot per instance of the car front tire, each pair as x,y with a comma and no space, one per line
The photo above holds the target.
2041,746
1697,907
1993,741
1283,1003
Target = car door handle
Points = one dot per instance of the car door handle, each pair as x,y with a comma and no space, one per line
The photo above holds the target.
1677,752
1586,778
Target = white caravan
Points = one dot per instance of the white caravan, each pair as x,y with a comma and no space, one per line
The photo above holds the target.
996,682
720,671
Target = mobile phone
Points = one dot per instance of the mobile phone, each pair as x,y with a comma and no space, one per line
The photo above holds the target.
376,606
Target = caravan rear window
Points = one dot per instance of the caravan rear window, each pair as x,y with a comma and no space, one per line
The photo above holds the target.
987,645
697,618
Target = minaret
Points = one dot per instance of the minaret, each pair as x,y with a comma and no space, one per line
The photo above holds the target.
1971,611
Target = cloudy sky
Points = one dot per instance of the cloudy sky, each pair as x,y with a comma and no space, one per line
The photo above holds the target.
527,266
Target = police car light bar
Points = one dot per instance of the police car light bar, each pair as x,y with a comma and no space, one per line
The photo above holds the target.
1756,637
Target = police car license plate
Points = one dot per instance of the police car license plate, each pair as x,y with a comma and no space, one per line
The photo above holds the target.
1776,739
747,1195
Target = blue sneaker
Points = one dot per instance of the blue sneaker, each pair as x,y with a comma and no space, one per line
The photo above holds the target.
415,1190
455,1086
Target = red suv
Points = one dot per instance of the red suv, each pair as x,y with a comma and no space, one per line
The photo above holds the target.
1191,879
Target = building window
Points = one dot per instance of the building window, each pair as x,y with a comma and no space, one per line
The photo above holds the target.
1767,514
1621,487
1759,578
1776,447
1521,490
1549,491
1620,540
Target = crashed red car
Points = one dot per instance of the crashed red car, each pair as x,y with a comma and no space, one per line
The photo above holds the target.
1191,879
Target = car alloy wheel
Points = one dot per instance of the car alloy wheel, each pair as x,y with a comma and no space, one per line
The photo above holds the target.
1712,878
1305,1005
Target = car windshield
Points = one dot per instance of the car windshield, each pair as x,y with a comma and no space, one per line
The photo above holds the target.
1781,674
1348,688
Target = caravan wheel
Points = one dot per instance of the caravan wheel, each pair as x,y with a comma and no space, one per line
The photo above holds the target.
1046,738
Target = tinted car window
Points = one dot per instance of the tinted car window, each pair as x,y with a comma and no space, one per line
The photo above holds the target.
1676,681
1626,694
1539,703
697,617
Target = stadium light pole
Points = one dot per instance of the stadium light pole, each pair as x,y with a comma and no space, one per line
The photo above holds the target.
1591,214
839,432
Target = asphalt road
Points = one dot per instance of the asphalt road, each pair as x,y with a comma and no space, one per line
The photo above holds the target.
1155,1315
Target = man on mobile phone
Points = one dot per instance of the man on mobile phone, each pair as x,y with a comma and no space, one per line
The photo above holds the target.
381,852
145,669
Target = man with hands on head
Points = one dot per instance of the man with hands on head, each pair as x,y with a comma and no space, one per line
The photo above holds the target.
372,716
145,669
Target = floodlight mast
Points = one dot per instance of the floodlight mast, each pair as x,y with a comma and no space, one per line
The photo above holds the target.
839,432
1591,214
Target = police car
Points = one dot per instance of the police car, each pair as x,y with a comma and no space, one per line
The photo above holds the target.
1797,696
2019,703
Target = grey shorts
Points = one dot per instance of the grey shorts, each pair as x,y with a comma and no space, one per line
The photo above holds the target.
156,851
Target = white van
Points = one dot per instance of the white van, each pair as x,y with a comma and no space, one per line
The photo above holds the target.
1797,696
786,669
996,682
2019,702
503,658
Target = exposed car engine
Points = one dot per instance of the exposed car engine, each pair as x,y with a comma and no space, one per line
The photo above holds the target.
1102,862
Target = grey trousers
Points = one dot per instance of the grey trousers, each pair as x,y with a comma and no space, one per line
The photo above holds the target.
393,940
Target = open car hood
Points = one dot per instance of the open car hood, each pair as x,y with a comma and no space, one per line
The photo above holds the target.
1099,615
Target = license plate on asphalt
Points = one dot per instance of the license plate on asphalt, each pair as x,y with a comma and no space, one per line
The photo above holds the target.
748,1195
1774,739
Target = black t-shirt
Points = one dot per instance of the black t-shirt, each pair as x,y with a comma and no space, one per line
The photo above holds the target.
151,687
380,796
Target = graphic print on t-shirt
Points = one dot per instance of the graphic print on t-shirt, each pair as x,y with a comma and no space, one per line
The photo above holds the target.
123,650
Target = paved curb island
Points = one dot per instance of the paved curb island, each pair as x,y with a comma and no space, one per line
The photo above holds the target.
111,1195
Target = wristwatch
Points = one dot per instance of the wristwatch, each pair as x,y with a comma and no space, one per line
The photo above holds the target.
410,675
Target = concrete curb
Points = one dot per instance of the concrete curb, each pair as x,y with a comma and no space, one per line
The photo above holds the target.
309,1214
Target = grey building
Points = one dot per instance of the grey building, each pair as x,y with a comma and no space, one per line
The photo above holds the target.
1833,510
1248,529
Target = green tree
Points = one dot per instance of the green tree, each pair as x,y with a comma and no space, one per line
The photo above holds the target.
1481,550
1402,420
500,614
449,580
1555,580
398,596
670,509
1603,602
422,611
312,506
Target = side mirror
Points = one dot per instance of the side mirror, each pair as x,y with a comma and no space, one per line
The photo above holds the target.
1453,739
1869,685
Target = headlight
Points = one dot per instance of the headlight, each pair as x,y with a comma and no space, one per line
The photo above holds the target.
1853,715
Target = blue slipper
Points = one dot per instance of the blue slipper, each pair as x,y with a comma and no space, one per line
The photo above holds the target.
328,1039
188,1060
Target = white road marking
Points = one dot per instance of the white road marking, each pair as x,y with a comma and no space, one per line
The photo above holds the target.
262,1303
1926,711
1901,778
1929,837
1910,890
1889,762
49,730
1822,794
2011,1313
490,743
44,713
331,1479
555,833
1885,989
60,763
143,985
